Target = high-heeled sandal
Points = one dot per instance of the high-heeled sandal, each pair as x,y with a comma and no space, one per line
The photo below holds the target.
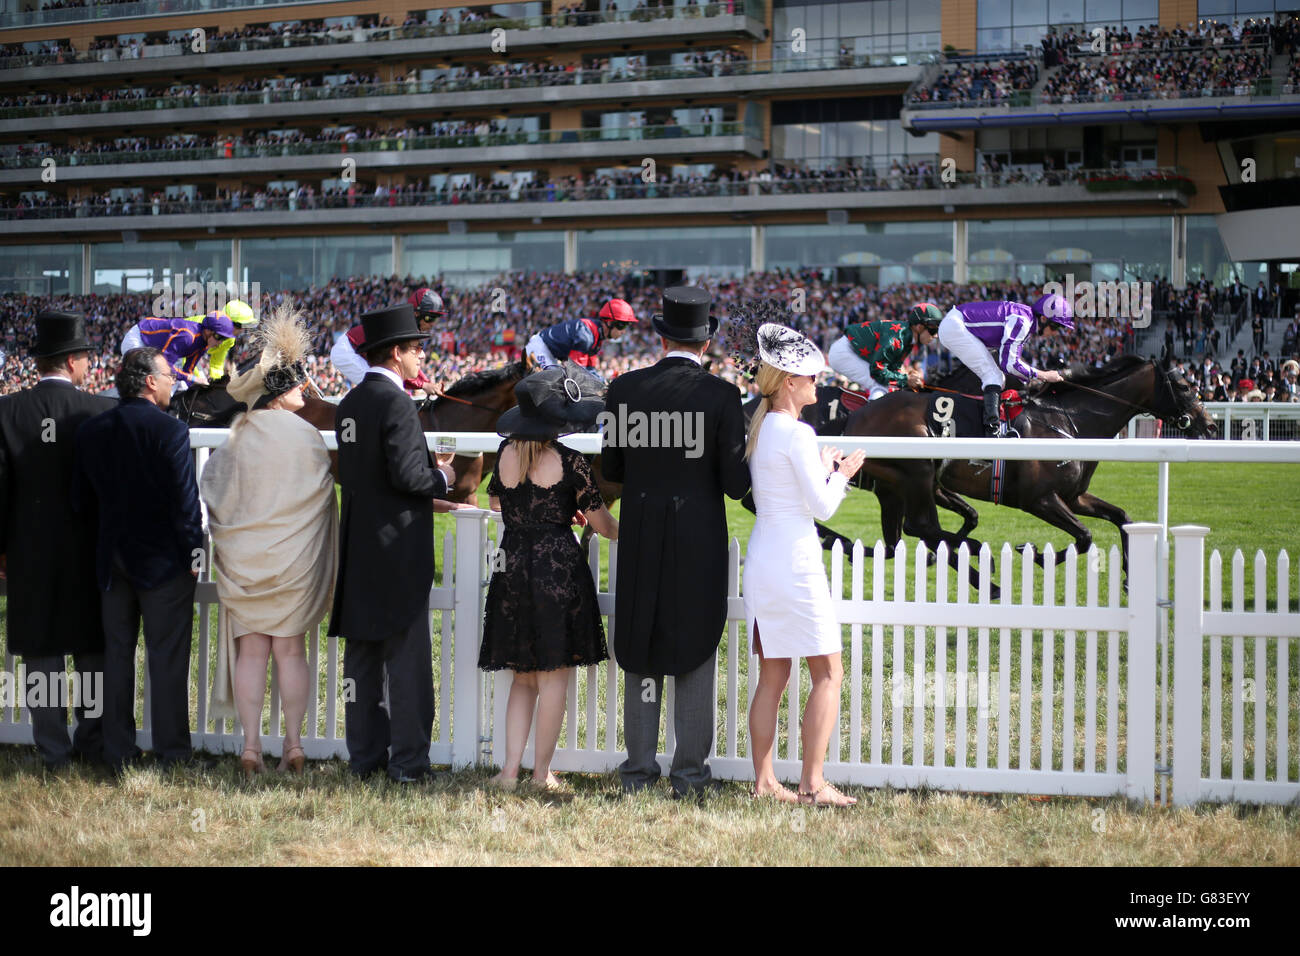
251,765
293,760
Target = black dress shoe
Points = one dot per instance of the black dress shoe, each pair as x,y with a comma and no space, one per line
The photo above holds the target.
415,775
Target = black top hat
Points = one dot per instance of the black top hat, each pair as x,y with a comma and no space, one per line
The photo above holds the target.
390,326
58,333
556,401
685,317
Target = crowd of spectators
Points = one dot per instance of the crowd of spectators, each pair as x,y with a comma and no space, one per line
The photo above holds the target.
987,82
474,336
1207,58
1158,75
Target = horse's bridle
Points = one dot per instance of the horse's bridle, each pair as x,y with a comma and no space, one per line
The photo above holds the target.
1184,420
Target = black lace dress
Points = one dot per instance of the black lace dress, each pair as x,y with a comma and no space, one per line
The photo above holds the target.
541,603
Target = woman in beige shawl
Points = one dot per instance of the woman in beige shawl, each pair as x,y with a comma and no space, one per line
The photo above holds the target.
274,524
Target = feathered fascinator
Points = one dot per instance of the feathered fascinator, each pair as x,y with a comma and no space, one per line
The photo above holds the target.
744,319
285,346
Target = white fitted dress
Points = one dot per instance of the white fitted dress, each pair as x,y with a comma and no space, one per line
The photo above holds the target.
785,585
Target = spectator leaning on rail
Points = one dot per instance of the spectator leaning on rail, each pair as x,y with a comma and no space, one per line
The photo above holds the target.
977,331
346,353
183,342
274,523
581,339
872,353
49,552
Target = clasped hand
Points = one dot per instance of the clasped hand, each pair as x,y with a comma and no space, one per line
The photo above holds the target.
848,464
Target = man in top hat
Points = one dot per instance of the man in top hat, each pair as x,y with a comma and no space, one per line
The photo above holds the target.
346,353
53,609
135,470
671,604
386,557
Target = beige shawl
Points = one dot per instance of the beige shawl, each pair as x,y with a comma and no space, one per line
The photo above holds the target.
274,524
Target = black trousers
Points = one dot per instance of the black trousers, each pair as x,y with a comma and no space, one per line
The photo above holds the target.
406,728
50,721
167,613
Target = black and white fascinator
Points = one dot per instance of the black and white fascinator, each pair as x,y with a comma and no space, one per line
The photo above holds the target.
789,351
744,319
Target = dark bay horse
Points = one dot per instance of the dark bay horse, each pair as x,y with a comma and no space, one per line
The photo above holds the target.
1091,405
472,404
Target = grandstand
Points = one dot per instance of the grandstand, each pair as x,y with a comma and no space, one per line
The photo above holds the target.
868,151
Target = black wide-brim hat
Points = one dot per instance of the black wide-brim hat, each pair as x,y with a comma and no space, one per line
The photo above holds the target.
390,326
685,316
556,401
58,333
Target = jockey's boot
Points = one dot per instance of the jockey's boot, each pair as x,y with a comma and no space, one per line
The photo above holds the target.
992,424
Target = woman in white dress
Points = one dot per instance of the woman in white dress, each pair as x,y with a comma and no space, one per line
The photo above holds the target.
787,598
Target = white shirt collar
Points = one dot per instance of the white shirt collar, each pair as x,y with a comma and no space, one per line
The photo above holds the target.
55,378
680,353
390,375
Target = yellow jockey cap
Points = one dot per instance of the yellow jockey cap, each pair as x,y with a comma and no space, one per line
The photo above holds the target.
239,313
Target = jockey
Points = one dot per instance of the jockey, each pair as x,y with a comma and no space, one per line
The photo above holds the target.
238,313
872,353
580,339
977,331
182,342
346,353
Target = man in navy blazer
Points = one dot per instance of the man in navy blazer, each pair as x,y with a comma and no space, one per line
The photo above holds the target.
133,464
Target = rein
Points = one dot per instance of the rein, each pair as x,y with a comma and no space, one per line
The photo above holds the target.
452,398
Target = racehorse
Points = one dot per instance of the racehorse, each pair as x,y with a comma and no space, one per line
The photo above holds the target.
474,403
1089,405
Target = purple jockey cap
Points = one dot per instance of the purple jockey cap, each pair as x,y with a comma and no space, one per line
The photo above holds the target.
220,323
1056,309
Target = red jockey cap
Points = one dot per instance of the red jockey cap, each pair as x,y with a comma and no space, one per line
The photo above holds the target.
616,310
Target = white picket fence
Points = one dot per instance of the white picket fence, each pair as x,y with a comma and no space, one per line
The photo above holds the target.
912,721
942,688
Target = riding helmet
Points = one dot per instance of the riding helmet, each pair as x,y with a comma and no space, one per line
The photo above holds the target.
1056,309
926,314
427,302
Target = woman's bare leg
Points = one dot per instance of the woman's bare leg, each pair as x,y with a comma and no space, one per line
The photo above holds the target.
252,652
773,674
826,672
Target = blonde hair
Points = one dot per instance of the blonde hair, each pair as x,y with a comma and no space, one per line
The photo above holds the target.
770,380
529,452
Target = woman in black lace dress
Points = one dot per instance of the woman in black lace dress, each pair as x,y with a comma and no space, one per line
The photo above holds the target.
542,618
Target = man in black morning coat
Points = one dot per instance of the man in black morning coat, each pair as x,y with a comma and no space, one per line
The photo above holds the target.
381,597
53,607
671,600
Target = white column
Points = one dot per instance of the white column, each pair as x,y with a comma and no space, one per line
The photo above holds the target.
1142,609
1178,252
1189,604
570,251
757,248
959,250
399,255
86,277
236,265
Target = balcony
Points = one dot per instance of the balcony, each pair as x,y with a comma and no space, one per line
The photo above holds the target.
763,77
1258,99
971,194
101,13
391,153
